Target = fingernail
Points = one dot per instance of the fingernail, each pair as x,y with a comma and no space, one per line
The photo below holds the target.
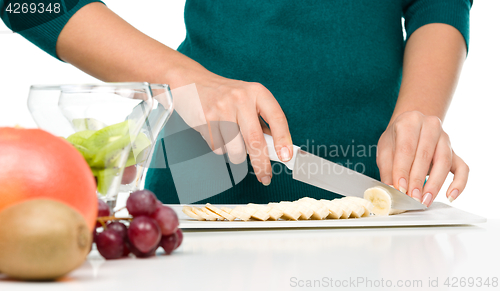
416,194
266,181
402,185
453,195
427,199
285,154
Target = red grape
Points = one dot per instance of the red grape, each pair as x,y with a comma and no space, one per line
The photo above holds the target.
144,233
110,244
169,243
129,174
166,219
140,254
180,237
103,210
141,202
118,227
126,249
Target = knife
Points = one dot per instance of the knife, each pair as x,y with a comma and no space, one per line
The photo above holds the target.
333,177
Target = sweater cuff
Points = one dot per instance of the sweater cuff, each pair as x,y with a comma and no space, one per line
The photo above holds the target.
43,29
451,12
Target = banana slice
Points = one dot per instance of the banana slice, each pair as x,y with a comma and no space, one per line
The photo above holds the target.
189,212
363,202
202,214
220,212
237,212
305,213
346,211
289,213
356,210
381,200
334,208
320,211
255,213
274,213
209,212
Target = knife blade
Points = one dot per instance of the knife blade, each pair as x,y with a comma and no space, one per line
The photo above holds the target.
324,174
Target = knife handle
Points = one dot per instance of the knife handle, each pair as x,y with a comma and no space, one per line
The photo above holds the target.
273,156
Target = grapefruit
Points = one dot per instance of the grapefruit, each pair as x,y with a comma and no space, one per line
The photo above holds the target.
36,164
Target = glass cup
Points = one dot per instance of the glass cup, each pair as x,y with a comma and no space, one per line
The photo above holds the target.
104,122
134,175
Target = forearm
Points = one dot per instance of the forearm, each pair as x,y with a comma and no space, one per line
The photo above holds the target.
100,43
433,59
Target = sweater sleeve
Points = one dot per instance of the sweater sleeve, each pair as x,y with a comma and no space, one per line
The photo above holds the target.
40,21
418,13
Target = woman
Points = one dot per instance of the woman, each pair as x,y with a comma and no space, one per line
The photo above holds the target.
335,74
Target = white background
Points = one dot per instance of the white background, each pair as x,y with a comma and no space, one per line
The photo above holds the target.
473,121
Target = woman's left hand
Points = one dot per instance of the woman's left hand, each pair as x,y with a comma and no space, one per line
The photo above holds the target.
413,146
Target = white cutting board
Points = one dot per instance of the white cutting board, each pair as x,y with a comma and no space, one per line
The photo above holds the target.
437,214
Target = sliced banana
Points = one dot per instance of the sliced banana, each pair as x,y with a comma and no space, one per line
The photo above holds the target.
356,210
220,212
274,213
363,202
202,214
256,213
238,213
187,210
209,212
334,209
289,213
305,213
320,211
381,200
346,211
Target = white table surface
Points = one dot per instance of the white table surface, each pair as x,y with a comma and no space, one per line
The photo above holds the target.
270,259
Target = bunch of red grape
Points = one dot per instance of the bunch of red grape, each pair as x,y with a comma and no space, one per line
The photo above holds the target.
153,225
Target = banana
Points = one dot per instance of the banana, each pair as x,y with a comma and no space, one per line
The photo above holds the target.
363,202
356,210
220,212
334,209
346,211
209,213
274,213
305,213
255,213
320,211
289,213
381,200
238,212
202,214
377,201
187,210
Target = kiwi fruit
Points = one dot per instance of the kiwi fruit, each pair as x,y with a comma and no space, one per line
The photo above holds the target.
42,239
103,150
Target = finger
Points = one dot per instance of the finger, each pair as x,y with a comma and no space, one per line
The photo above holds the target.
429,138
441,166
255,144
216,140
264,126
384,160
233,141
461,174
272,113
407,134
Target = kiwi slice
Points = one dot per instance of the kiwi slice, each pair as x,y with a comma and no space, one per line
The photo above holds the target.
140,150
105,179
105,136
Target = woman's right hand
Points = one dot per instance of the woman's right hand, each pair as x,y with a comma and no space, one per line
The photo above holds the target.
233,109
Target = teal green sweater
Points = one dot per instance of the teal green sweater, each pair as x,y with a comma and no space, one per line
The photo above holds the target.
334,66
